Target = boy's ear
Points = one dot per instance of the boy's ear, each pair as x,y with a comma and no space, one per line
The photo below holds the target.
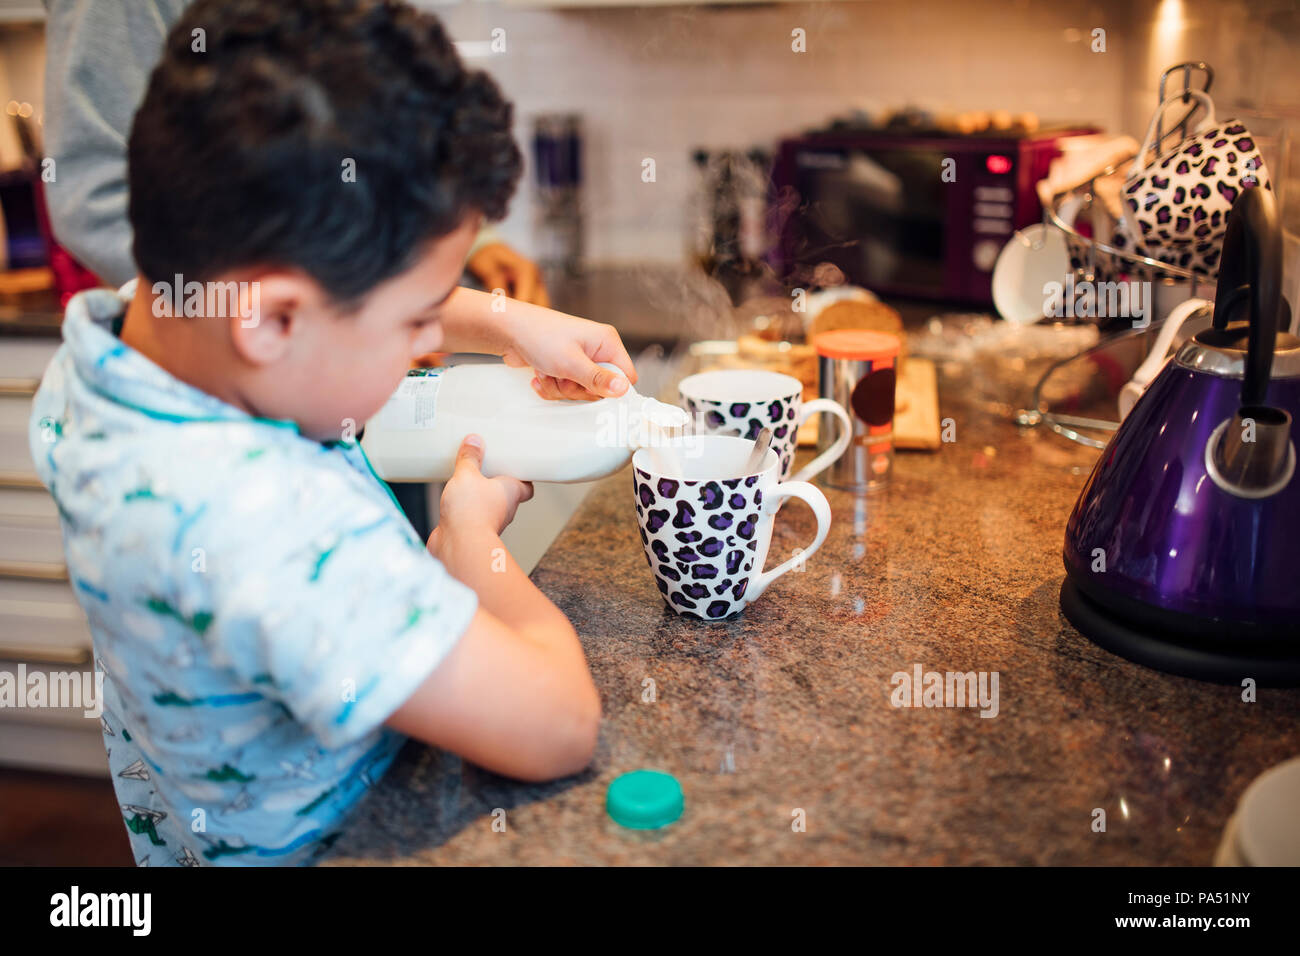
272,307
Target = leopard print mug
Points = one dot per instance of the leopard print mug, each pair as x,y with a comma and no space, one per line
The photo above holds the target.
743,401
1176,209
707,530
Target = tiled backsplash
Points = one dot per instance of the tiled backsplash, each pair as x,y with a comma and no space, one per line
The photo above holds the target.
658,81
1254,48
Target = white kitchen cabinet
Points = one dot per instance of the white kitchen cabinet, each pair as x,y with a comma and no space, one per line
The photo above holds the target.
25,359
42,627
540,520
55,741
42,623
15,458
22,363
29,528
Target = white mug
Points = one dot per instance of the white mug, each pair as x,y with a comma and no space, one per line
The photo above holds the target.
742,402
1034,258
707,530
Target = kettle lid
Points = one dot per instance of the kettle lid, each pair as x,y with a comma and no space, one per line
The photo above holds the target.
1223,352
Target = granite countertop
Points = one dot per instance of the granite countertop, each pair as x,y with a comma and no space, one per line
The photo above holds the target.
956,566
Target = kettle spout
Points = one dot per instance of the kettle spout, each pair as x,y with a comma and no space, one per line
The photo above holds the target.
1251,454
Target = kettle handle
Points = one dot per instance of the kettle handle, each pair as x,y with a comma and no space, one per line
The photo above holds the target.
1159,354
1251,266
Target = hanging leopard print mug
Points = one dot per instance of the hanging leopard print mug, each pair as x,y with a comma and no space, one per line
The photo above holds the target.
707,530
1176,208
743,401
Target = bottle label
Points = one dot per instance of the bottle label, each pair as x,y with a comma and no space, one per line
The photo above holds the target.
413,405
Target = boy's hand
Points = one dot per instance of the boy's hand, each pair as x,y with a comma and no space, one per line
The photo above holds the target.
563,350
472,502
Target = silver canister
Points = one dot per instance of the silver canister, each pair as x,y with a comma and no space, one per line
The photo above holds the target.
857,369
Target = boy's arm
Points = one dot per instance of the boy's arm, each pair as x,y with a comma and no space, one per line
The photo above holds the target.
563,349
515,700
318,596
514,695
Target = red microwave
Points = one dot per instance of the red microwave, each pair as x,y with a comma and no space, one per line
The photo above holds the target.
907,214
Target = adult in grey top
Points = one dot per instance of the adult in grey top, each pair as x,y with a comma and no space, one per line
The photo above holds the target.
98,60
99,54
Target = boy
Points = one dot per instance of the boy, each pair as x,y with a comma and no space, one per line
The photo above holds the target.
268,625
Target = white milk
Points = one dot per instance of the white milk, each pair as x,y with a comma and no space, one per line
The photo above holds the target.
415,436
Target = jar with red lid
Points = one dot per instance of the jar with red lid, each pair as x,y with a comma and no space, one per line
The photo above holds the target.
857,368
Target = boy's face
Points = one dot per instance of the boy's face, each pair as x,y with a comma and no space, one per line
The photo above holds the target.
337,370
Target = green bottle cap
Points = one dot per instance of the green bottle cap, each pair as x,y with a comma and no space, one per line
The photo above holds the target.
644,800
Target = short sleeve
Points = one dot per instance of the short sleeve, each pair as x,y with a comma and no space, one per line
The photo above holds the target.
324,599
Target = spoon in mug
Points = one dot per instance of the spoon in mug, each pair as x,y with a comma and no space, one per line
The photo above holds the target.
761,444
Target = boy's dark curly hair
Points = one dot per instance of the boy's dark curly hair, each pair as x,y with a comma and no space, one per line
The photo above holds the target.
238,154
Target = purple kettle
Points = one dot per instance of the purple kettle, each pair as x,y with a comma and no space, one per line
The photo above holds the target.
1183,550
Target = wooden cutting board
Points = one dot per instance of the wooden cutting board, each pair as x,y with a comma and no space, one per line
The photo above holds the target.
916,409
916,406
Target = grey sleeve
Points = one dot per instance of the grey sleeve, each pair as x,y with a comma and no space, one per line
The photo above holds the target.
98,59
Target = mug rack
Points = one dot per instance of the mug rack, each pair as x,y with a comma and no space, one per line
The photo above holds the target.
1101,259
1106,259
